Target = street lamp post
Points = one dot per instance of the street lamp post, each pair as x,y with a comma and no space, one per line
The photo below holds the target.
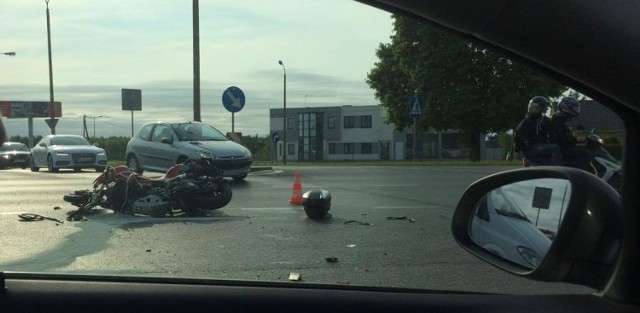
53,121
8,53
284,115
94,124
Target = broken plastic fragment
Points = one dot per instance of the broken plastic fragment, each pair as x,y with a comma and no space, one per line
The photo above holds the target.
401,218
295,276
351,246
358,222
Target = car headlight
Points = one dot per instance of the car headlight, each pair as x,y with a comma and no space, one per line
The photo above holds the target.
102,153
6,156
530,256
205,155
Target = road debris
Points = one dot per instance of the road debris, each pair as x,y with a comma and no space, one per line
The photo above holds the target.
351,246
295,276
332,260
30,217
401,218
358,222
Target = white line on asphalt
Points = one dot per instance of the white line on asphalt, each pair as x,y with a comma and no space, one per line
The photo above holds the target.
407,207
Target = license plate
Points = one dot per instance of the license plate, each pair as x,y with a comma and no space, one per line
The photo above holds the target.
86,159
232,172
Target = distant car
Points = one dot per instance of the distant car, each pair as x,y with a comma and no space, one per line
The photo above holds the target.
159,145
14,154
67,151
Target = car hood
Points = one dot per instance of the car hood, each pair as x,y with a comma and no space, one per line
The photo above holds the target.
218,148
80,149
528,235
14,152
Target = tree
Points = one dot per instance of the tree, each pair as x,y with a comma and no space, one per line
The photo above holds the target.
259,147
466,87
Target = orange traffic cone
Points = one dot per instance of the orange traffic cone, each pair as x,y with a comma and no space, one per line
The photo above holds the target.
296,195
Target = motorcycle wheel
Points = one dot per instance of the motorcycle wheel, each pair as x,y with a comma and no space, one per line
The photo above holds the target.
222,199
79,198
198,208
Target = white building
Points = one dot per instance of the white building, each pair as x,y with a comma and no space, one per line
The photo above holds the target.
356,133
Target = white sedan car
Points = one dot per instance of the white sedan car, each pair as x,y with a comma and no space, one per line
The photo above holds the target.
67,151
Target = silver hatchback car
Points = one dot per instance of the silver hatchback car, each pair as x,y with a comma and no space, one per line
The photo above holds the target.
159,145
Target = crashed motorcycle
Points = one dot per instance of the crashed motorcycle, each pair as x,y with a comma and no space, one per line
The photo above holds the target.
602,163
194,187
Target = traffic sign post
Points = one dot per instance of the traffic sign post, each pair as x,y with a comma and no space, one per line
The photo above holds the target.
416,105
233,100
275,137
132,100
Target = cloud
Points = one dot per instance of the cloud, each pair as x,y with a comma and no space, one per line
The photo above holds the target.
100,47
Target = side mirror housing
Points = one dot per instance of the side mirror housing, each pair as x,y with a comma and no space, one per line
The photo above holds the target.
582,248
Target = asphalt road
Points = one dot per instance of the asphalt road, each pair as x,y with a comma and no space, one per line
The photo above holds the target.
259,236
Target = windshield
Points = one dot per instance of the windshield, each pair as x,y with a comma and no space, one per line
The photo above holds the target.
197,132
69,141
13,147
505,207
391,117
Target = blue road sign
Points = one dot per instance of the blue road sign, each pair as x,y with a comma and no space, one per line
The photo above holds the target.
275,137
415,106
233,99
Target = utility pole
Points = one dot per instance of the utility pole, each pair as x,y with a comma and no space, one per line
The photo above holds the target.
52,121
196,62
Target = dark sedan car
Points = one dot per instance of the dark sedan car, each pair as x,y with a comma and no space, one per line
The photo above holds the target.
158,146
14,154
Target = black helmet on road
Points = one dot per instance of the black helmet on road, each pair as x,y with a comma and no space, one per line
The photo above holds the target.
538,105
569,106
317,204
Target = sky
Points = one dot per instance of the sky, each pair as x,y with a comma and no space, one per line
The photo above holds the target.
100,47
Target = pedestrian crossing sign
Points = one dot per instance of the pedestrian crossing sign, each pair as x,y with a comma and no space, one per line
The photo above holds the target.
415,106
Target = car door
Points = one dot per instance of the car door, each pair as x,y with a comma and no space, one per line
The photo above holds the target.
161,155
39,152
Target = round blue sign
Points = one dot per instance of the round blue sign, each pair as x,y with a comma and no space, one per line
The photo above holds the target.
233,99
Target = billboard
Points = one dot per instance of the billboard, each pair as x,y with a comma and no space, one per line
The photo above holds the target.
22,109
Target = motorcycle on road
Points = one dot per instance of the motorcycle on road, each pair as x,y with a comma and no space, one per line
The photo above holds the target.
194,187
602,163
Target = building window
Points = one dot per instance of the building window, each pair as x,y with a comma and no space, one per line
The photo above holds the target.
348,148
289,123
331,122
290,149
333,148
349,122
366,148
365,121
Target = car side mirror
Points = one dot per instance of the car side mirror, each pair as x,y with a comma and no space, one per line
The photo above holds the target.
545,223
167,140
95,144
